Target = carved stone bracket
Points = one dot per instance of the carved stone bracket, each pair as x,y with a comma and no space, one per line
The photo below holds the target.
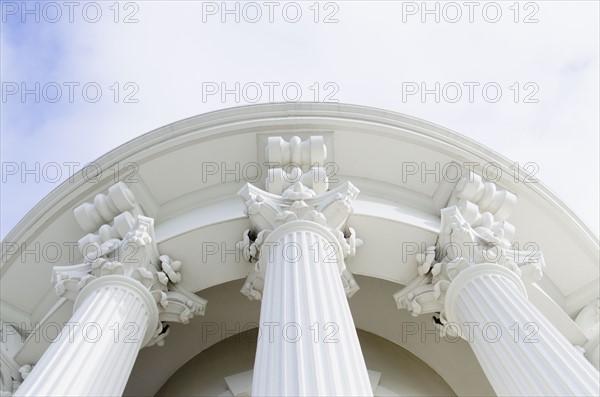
297,167
474,230
127,247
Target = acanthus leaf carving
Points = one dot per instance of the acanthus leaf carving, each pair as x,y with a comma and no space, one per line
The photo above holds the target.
11,376
300,195
269,212
468,237
128,248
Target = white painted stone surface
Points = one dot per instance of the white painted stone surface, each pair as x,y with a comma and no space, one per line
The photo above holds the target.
391,211
520,351
94,356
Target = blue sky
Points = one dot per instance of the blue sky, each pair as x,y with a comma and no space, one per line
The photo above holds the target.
370,54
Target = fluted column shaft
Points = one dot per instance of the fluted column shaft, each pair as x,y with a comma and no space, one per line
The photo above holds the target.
308,344
520,351
95,352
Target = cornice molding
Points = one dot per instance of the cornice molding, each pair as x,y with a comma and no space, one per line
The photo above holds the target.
209,124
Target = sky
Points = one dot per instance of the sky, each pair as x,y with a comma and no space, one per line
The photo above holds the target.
81,78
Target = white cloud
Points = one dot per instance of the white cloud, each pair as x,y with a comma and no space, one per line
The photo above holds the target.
170,52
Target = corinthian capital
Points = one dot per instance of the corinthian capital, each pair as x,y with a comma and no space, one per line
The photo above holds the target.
473,231
10,343
300,195
126,246
267,211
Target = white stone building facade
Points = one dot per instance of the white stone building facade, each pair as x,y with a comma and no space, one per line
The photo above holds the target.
301,249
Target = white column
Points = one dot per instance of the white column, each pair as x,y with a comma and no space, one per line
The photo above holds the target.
520,351
298,241
308,344
95,352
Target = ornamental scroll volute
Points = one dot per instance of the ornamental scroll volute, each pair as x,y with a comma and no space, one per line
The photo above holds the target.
474,230
120,240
